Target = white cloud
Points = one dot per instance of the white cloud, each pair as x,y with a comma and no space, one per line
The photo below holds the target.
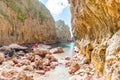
56,6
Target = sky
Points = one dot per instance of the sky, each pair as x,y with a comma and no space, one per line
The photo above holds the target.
60,9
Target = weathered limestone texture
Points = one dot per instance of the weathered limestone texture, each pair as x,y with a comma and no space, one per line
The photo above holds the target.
25,21
62,31
96,24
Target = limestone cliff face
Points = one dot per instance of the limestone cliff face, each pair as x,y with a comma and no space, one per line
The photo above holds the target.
25,21
62,31
95,19
96,24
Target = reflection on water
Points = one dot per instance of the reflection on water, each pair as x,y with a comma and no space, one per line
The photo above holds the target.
60,72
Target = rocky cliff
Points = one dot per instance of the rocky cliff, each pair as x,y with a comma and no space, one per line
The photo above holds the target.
96,24
62,31
25,21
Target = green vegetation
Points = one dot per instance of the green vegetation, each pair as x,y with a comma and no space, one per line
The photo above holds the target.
21,16
37,12
12,4
6,16
3,13
45,10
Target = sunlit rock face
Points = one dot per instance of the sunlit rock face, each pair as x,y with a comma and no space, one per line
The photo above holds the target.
62,31
25,21
112,64
96,24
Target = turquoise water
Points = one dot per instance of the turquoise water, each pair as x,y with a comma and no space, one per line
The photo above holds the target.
67,47
64,45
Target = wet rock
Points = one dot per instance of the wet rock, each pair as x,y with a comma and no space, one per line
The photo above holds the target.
57,50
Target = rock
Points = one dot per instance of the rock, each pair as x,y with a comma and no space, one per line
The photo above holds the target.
68,64
23,76
30,56
53,64
98,58
44,46
53,59
41,52
76,49
76,77
46,68
62,31
9,74
93,23
96,26
46,62
2,57
33,64
112,60
57,50
20,53
16,46
38,62
14,75
74,67
67,58
22,62
28,67
15,61
88,78
25,17
41,72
